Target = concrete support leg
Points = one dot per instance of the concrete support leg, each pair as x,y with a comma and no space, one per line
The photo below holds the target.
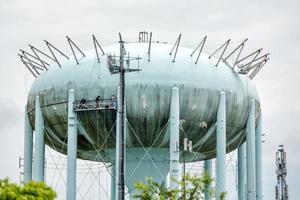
250,151
221,145
113,182
39,145
208,170
258,155
72,148
174,139
242,172
28,148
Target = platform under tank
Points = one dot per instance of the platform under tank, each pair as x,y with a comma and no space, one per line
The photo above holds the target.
148,95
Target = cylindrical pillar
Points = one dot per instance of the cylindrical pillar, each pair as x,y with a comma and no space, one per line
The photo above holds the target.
113,182
250,151
72,148
39,144
242,171
221,145
208,170
258,151
28,148
174,139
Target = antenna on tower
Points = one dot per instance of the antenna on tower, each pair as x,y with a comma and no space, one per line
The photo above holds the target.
224,46
281,189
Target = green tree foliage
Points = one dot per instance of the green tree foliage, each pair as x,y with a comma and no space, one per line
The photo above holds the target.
190,188
28,191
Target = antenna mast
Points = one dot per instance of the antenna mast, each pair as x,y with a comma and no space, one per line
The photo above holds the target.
281,189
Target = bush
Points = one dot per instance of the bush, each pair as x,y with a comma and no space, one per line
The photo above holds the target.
190,188
28,191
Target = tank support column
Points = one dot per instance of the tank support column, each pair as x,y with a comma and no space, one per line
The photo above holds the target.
174,138
39,145
258,151
250,148
242,171
28,145
221,145
72,148
207,169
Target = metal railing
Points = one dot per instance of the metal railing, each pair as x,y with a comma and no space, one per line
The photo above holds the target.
90,105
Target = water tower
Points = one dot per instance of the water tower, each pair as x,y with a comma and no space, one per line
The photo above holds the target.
172,94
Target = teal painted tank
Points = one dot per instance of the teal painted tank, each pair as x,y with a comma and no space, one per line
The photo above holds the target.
148,95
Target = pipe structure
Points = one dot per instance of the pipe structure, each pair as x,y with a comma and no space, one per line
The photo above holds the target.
242,171
174,139
258,159
39,144
250,151
28,148
208,170
221,145
72,148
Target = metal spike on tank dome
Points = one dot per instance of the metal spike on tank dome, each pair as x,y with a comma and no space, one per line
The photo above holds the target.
224,47
33,69
176,45
71,44
25,53
239,47
31,62
201,46
50,46
149,47
96,46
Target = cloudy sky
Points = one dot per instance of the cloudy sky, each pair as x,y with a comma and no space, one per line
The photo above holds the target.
271,24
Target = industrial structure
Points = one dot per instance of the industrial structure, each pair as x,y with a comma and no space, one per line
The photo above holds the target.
281,189
80,107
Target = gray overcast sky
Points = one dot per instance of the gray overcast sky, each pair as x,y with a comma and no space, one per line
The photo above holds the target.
271,24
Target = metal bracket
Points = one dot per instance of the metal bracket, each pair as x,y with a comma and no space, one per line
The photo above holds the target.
143,36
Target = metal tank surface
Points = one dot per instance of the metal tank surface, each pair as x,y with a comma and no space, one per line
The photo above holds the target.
148,96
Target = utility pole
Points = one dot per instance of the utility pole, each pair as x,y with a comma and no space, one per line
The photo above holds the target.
116,66
121,127
281,189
